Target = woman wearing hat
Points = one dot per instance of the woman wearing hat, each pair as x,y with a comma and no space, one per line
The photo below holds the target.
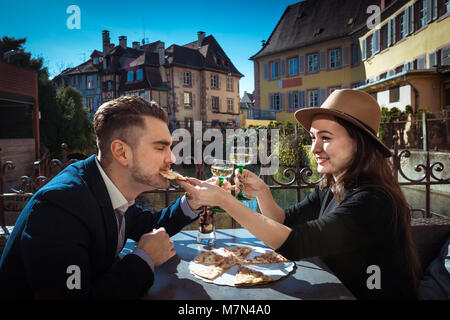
357,217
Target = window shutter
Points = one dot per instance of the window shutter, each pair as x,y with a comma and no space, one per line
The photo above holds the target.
364,49
271,101
281,101
393,33
301,63
435,9
323,60
283,68
192,79
432,60
301,99
266,71
429,6
341,58
346,55
290,100
406,20
376,37
445,56
322,95
389,33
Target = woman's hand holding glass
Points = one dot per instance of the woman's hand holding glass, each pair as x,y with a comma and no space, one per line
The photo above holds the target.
250,183
207,193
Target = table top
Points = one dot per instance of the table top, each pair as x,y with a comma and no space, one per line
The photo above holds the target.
311,278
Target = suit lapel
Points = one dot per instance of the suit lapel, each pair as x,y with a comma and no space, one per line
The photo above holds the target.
100,192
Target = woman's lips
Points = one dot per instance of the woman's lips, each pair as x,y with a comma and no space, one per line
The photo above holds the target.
322,160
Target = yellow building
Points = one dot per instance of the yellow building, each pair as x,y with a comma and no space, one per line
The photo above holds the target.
313,51
407,56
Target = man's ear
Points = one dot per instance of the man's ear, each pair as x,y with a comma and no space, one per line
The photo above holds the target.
121,152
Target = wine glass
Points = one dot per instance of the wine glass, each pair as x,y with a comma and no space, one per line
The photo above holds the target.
206,229
223,170
241,156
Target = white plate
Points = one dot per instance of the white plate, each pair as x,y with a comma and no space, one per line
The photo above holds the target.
274,270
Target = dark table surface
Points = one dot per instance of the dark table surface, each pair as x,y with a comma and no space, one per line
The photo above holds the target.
311,278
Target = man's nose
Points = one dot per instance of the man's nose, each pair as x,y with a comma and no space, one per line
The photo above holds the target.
172,158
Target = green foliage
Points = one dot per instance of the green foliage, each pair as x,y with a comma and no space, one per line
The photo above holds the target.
63,117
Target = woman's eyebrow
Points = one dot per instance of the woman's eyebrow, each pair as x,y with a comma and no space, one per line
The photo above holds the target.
324,131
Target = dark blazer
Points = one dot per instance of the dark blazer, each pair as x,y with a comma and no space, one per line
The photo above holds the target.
71,222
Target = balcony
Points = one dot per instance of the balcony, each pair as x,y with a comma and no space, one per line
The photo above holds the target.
261,114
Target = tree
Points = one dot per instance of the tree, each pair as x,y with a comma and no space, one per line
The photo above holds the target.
63,118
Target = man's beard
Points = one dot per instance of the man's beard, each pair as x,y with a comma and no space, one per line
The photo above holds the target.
155,181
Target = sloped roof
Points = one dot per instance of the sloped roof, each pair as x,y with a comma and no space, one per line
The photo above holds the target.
209,56
314,21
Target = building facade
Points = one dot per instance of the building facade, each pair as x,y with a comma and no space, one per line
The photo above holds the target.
407,57
194,82
312,52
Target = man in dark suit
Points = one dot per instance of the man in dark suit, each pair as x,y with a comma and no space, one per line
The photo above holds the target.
66,241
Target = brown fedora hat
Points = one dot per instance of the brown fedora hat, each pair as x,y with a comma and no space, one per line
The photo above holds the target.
355,106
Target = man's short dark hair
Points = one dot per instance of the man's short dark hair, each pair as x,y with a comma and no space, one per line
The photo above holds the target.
120,118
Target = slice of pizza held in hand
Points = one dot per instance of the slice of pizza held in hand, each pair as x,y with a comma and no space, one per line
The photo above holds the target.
172,175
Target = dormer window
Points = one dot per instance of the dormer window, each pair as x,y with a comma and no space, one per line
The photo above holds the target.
140,74
95,60
130,76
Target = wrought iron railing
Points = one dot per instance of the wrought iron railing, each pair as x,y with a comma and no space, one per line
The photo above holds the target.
298,179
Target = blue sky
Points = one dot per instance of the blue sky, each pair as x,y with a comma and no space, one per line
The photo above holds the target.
238,26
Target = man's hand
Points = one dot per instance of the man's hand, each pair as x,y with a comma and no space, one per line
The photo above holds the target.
157,245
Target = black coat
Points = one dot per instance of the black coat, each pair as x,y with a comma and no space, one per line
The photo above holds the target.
71,222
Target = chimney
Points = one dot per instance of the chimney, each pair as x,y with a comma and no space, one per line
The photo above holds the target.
382,4
106,40
201,36
161,53
263,43
136,45
123,41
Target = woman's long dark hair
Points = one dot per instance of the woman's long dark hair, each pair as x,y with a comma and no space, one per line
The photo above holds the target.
369,167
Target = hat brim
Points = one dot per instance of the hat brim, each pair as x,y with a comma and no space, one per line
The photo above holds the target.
306,115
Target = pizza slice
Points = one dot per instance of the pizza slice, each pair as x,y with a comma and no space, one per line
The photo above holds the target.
239,252
266,258
213,271
208,257
246,276
172,175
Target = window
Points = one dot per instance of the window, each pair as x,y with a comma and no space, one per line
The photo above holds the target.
403,25
293,67
447,6
275,70
215,104
90,82
447,96
230,105
187,78
130,76
187,99
422,13
313,62
109,85
295,100
313,98
394,94
276,101
214,81
90,104
95,60
355,53
140,74
335,58
230,84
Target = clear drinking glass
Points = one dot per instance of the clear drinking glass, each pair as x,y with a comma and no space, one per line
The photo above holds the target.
221,169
